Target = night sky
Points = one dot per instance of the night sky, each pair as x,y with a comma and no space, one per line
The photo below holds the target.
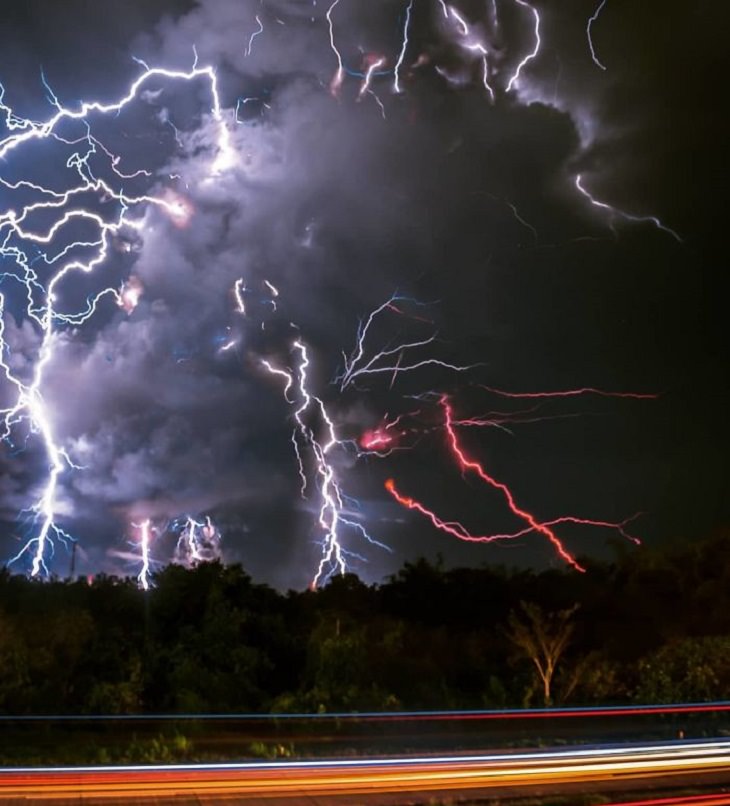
341,197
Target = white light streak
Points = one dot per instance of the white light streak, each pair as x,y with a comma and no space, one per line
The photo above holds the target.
533,53
589,25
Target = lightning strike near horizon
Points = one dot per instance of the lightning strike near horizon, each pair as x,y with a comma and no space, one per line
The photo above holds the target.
315,432
145,536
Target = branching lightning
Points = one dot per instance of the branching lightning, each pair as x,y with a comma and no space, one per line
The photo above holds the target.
199,541
320,440
43,306
459,531
37,250
389,359
492,78
467,464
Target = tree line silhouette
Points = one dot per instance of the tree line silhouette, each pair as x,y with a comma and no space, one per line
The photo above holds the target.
650,626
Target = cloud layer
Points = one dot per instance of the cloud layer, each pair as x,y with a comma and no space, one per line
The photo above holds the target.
338,202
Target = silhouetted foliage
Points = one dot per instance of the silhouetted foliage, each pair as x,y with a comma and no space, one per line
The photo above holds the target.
653,626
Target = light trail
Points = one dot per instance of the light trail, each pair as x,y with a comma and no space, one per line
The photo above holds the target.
715,799
527,714
374,778
657,750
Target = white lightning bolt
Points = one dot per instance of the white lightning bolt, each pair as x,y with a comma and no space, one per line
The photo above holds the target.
145,533
479,48
404,47
336,82
376,65
333,513
198,542
589,25
534,52
387,360
260,30
614,211
43,299
238,290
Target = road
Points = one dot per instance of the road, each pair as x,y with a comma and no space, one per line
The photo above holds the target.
637,766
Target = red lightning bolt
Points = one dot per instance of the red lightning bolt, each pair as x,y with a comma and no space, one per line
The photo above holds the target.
456,529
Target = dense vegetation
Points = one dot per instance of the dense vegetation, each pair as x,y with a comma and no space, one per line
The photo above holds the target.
649,627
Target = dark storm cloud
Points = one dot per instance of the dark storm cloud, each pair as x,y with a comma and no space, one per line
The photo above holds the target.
338,208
